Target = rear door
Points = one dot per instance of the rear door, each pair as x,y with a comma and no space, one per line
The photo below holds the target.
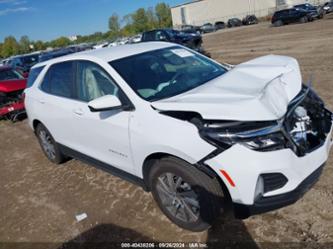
56,99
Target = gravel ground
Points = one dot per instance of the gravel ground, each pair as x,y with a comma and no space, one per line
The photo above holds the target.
39,201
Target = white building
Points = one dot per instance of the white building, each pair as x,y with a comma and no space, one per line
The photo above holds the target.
72,38
202,11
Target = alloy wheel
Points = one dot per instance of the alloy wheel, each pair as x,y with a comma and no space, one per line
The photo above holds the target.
178,197
47,144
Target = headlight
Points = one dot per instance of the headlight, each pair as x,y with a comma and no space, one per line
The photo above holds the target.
267,143
261,136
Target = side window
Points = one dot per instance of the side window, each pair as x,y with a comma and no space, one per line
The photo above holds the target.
149,36
160,36
59,80
93,82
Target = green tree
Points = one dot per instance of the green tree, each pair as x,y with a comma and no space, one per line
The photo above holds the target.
1,50
24,44
10,47
114,25
151,18
39,45
163,14
60,42
140,21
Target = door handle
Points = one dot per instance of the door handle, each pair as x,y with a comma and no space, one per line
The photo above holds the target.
41,101
78,112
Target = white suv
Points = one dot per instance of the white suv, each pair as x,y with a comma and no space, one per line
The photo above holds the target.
190,130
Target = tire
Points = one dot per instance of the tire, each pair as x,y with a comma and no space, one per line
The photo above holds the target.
188,197
48,145
304,19
278,23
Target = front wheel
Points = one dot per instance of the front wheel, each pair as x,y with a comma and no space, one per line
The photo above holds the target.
187,196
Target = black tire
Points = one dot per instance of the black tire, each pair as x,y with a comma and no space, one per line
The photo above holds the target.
304,19
278,23
197,199
48,145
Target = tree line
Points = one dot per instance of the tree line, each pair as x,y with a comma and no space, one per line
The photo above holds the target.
137,22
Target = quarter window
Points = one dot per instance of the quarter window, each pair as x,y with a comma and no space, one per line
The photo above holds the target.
93,82
34,72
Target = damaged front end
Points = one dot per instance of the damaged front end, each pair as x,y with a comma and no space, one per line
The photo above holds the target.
303,128
12,105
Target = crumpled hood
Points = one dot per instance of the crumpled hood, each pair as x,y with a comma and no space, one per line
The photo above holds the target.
257,90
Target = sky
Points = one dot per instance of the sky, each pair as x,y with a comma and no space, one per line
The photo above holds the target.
49,19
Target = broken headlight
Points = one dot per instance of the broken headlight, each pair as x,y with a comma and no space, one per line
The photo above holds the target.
260,136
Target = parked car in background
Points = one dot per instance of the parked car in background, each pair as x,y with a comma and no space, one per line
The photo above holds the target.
219,25
207,28
315,12
101,45
119,41
190,29
249,20
23,63
293,15
234,22
54,54
328,7
135,39
12,85
190,40
195,133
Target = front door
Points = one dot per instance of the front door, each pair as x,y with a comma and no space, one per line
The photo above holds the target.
101,135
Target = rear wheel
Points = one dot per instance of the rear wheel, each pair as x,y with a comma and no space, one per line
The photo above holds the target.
187,196
278,23
48,145
303,20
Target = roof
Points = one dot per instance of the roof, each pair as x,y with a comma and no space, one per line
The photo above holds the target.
113,53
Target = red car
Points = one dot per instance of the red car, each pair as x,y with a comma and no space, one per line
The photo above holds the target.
12,85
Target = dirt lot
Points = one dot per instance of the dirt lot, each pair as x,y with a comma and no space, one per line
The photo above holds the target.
39,201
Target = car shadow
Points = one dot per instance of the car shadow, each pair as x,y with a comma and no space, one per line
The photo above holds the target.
229,232
226,232
106,236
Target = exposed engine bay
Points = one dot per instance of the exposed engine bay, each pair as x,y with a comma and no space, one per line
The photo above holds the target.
308,121
12,105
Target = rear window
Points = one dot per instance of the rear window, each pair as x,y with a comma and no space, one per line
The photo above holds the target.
9,75
33,75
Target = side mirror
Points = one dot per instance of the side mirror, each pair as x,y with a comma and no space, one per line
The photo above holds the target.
105,103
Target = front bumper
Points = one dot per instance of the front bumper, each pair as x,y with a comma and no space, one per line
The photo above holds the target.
244,166
265,204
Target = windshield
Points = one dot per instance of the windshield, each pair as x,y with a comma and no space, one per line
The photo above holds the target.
9,75
164,73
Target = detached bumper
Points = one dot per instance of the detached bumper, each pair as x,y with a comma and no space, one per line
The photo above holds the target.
265,204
